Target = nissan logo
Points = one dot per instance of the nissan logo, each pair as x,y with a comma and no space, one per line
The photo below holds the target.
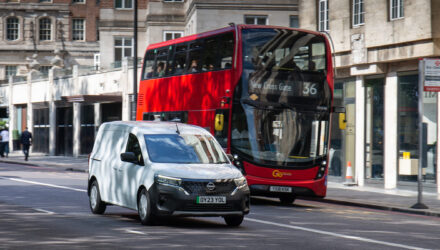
210,186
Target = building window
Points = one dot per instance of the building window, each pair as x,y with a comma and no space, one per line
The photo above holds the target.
170,35
123,48
260,20
45,70
11,70
358,12
78,1
323,15
173,0
45,1
78,28
97,61
124,4
396,9
12,28
294,22
45,29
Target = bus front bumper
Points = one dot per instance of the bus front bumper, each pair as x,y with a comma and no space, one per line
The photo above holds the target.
262,186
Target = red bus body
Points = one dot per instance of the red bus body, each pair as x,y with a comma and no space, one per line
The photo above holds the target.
200,96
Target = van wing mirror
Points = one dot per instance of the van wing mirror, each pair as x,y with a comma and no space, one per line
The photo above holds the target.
129,157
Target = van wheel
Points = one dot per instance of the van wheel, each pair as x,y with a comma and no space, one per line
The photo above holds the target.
96,204
234,220
287,199
144,208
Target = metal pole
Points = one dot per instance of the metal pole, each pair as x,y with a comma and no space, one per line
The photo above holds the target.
419,204
135,42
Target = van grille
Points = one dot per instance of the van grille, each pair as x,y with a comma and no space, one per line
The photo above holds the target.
224,187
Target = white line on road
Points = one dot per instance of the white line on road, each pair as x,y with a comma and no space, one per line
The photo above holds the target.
43,184
334,234
43,211
134,232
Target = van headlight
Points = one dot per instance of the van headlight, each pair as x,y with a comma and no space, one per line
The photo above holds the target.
165,180
240,182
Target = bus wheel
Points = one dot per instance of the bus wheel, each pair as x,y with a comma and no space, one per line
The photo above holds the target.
234,220
287,199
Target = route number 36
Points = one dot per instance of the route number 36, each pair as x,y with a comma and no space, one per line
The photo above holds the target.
309,89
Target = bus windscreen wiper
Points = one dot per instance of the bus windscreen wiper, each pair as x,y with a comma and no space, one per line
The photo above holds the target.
295,107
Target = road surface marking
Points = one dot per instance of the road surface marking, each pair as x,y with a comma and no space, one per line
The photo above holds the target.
334,234
43,211
134,232
43,184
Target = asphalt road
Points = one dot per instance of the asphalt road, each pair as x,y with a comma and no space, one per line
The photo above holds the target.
43,208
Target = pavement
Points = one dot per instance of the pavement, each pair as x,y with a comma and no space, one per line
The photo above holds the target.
372,195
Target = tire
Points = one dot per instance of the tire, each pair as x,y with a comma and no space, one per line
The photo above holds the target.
287,200
96,204
144,208
234,220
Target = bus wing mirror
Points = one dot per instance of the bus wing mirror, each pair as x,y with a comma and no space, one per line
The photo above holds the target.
219,122
342,121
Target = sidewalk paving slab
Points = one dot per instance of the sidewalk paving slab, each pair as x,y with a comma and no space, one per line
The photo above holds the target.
372,196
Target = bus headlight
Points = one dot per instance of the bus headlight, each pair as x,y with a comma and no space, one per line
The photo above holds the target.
237,162
165,180
321,170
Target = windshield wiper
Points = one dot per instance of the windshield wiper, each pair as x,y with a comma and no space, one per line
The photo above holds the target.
266,105
296,107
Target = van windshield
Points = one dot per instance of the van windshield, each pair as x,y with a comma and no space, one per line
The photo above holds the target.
189,149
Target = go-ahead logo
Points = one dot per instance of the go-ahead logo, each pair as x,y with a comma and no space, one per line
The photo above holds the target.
277,173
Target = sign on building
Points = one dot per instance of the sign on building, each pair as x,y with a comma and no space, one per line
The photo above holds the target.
431,74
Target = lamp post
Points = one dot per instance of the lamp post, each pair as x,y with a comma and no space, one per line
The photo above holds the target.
134,99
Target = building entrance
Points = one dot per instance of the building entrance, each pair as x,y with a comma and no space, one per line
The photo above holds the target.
374,129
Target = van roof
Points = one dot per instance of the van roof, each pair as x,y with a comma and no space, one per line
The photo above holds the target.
152,127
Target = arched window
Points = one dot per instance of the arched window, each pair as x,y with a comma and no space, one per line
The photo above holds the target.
45,29
12,28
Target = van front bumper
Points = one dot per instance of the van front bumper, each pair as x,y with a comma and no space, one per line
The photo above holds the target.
176,201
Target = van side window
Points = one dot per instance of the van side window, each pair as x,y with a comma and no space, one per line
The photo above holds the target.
133,146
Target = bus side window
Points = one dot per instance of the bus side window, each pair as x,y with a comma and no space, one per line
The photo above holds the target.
226,50
179,61
195,57
209,53
148,65
161,62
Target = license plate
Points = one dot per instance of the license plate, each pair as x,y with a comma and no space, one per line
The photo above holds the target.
211,200
280,189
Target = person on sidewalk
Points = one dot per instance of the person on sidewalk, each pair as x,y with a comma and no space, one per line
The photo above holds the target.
4,143
26,140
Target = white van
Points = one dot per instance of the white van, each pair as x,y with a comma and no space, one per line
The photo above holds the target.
164,168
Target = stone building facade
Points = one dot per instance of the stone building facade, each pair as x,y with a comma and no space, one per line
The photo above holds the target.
38,34
377,47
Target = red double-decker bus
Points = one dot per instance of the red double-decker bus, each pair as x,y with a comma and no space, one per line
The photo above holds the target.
264,92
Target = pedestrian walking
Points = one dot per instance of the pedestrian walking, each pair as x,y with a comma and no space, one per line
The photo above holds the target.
26,141
4,142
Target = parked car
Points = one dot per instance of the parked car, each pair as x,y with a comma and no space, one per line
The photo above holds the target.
164,168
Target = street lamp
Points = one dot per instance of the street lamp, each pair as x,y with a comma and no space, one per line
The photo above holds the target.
134,99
